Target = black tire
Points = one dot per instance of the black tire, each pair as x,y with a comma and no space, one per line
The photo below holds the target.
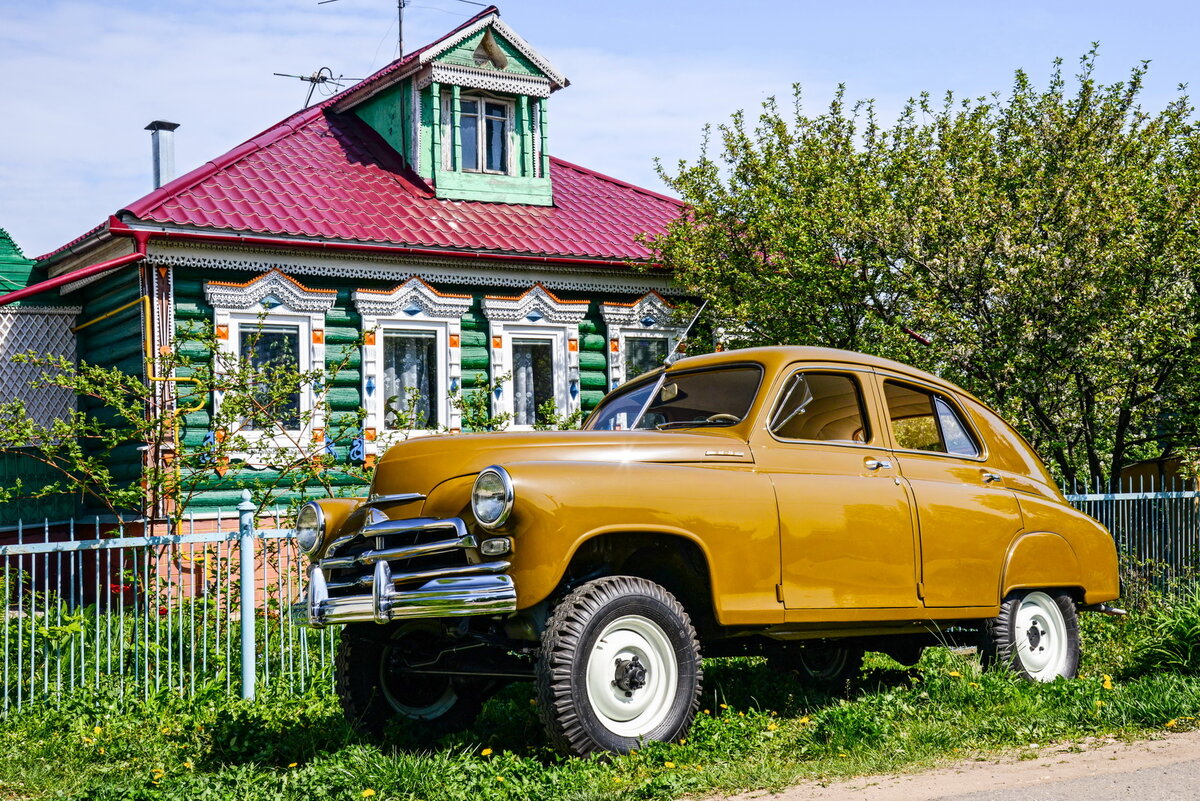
1035,635
828,667
651,688
374,689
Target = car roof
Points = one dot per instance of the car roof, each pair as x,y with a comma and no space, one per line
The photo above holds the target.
778,357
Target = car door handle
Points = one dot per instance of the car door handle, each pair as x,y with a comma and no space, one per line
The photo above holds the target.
875,464
988,478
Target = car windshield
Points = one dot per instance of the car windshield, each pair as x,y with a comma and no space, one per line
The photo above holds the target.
716,397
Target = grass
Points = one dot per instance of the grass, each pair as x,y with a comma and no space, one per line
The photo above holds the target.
757,730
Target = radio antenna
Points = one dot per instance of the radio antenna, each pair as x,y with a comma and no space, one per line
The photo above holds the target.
674,354
323,78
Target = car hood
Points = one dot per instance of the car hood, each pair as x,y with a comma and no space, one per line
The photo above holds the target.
419,465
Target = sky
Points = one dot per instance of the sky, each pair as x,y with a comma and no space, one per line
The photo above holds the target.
85,77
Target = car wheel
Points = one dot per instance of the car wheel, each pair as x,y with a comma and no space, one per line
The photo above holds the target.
375,688
619,665
823,666
1036,634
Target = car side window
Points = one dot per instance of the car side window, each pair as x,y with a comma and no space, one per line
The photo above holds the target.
924,421
821,406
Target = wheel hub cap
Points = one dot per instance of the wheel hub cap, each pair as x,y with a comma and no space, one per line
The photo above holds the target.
630,675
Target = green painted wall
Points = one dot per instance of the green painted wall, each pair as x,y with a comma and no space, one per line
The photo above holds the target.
385,112
463,54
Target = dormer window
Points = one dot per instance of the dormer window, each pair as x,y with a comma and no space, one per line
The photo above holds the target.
484,127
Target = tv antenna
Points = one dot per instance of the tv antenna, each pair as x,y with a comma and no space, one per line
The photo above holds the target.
400,6
322,78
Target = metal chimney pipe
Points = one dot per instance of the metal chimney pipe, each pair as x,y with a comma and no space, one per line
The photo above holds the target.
162,145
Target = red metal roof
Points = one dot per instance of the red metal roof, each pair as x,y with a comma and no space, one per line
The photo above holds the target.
327,175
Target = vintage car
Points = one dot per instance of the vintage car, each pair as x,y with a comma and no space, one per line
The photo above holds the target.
800,503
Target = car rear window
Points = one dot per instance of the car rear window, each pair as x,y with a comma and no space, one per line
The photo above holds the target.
925,421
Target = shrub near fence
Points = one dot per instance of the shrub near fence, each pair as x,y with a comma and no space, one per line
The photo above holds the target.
153,612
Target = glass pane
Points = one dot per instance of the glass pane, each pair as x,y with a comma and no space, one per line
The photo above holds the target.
533,379
469,132
643,354
497,145
410,380
468,106
495,110
273,352
620,411
822,407
703,398
913,421
958,440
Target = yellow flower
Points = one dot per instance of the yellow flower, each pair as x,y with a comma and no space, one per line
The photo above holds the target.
88,741
1171,723
973,684
1099,703
158,773
486,752
499,778
102,750
843,755
803,719
741,714
668,765
97,731
367,793
187,765
724,706
166,730
533,702
1107,682
708,711
771,727
292,764
683,741
955,674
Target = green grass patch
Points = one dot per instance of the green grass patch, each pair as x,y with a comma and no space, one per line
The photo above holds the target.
758,729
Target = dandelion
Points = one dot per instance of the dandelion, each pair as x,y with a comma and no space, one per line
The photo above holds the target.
1171,723
954,674
98,731
741,714
486,752
724,706
533,702
1099,703
973,684
843,756
683,741
708,711
187,764
1107,682
292,764
499,778
88,741
367,793
771,727
668,765
101,750
804,719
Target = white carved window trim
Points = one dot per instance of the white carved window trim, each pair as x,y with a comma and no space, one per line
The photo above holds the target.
451,120
648,317
536,315
238,305
411,306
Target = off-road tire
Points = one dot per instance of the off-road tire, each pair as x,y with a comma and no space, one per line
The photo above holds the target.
829,667
369,705
1030,623
637,618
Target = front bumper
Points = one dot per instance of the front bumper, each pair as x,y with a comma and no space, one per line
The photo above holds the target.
449,591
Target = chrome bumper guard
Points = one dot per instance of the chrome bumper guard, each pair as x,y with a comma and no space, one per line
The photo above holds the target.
479,589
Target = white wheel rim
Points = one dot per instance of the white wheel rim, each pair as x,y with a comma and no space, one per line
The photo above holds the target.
637,712
1041,637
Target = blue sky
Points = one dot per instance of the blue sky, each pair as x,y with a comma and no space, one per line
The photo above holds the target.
84,78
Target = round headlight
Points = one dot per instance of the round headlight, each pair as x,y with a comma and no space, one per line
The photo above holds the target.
492,497
310,528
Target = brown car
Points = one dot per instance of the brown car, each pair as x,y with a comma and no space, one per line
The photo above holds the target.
801,503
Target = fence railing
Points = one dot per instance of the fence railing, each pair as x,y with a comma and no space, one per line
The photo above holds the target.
142,611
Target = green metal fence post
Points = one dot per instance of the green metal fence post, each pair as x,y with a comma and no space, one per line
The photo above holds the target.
246,577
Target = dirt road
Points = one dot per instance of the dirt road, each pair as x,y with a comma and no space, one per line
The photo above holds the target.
1167,769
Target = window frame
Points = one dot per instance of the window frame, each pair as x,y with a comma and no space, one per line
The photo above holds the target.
439,405
969,426
451,118
627,320
863,384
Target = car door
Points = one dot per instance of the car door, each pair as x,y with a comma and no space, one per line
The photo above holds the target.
846,530
966,515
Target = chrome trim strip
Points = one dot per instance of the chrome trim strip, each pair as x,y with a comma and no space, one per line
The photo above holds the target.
483,568
397,497
414,524
443,597
405,552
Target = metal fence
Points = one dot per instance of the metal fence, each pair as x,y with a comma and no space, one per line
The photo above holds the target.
140,612
1156,525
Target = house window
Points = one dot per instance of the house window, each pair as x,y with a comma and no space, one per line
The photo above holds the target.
533,378
273,353
643,354
411,385
484,128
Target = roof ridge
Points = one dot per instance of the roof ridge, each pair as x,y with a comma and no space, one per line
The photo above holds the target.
605,177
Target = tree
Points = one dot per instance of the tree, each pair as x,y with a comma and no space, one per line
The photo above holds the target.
1041,249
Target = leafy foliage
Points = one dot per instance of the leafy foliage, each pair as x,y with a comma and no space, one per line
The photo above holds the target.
1040,249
